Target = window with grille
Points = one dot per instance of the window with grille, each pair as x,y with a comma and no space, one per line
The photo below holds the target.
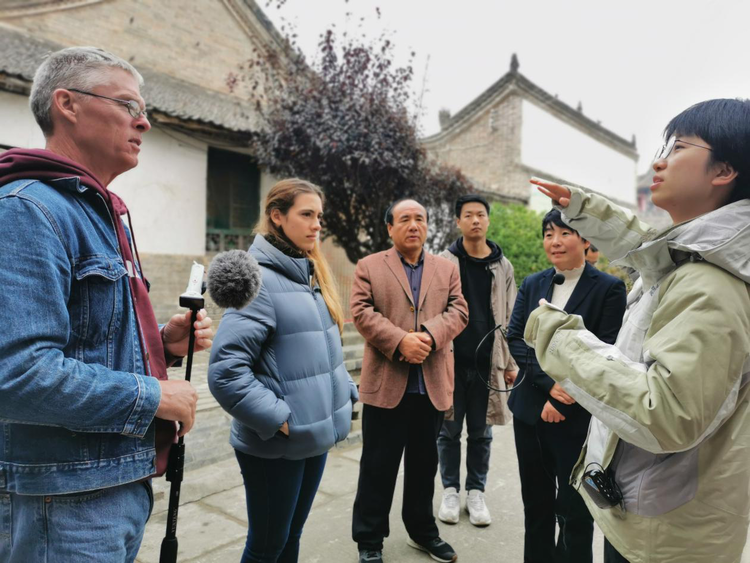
232,199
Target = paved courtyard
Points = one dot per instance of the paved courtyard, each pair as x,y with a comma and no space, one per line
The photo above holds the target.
212,520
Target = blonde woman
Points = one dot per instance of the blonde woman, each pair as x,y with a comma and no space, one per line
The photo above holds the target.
277,367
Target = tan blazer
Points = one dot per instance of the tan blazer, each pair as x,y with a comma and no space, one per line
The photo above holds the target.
384,312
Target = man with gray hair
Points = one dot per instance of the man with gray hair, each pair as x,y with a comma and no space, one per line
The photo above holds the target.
87,413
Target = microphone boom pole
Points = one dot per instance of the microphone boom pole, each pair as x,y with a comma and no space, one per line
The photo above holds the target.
193,300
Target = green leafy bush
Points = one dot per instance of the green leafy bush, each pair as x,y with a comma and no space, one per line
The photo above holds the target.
518,231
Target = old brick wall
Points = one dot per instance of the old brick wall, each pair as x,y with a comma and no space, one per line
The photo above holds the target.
488,147
200,41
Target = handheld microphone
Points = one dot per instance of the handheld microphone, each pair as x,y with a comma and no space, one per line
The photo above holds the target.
193,297
557,279
234,279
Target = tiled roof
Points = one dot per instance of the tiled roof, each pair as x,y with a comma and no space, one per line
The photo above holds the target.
513,78
21,54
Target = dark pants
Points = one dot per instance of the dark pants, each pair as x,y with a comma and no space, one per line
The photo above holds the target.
547,453
279,495
412,427
470,402
611,555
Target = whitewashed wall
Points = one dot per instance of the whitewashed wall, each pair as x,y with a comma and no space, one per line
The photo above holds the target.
166,193
551,145
17,125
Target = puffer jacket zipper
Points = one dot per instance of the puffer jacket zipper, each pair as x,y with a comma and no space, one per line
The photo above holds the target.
318,298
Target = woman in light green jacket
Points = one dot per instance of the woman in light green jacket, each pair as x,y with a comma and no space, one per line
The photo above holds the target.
670,399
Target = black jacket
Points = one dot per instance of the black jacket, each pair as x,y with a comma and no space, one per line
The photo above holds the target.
599,299
476,285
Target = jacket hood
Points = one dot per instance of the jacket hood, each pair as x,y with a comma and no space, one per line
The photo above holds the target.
721,237
296,269
496,253
46,166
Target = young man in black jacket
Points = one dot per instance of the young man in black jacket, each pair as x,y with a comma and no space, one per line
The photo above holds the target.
489,288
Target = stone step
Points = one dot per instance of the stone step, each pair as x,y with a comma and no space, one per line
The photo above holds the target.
353,352
354,364
349,327
350,338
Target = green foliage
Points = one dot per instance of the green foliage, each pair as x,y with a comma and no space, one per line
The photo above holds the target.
604,265
518,231
343,122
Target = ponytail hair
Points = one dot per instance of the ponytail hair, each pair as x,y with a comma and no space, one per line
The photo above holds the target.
281,197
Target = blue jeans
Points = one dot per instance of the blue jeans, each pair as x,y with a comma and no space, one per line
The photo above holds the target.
279,494
470,398
103,526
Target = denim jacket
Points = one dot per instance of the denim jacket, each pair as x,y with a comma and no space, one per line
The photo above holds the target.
76,410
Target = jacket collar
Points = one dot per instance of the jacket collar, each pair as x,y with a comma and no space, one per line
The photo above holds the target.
584,286
296,269
720,237
393,261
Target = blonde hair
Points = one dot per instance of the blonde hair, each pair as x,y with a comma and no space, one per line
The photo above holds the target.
281,197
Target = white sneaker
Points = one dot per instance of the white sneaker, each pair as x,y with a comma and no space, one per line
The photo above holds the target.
479,515
450,507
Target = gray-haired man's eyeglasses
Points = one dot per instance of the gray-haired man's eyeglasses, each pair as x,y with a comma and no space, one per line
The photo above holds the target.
666,148
134,108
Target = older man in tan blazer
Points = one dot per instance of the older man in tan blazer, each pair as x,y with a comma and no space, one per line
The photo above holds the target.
408,305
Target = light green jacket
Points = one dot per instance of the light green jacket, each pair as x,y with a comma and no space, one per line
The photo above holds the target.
669,399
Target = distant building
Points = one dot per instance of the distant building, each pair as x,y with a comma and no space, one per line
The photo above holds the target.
647,211
515,130
197,188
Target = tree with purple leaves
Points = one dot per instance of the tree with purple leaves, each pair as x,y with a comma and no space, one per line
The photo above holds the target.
347,122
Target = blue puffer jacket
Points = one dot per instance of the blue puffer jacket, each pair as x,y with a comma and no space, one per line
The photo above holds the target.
280,359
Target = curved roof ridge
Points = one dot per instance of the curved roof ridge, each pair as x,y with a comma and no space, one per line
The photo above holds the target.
515,78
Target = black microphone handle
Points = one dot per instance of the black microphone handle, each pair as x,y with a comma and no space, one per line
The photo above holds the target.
176,463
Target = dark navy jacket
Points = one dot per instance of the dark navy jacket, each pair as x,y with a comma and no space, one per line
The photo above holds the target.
599,299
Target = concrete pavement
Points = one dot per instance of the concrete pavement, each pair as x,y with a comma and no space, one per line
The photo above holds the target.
212,522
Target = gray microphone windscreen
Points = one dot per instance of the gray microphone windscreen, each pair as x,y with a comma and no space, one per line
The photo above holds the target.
234,279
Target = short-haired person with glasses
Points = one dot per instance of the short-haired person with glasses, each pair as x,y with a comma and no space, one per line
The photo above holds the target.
666,467
489,287
87,414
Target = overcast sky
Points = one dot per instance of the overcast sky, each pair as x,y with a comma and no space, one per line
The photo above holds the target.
633,65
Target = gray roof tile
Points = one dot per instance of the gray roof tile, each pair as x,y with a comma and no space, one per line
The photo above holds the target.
21,54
